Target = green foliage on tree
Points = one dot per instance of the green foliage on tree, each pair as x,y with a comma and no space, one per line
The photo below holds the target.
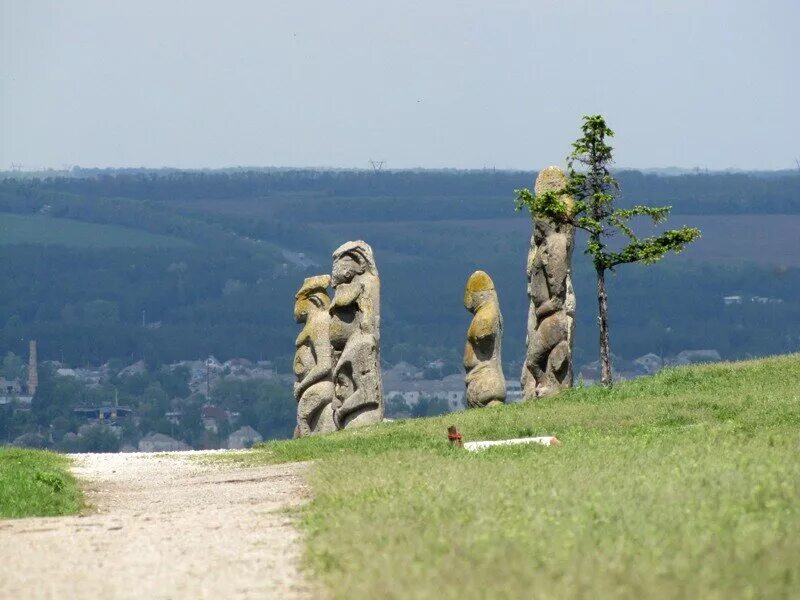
12,367
587,202
265,405
396,407
191,428
429,406
97,438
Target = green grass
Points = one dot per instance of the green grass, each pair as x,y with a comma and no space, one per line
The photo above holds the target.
41,229
35,483
682,485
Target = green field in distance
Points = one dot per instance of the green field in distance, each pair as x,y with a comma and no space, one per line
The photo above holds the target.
42,229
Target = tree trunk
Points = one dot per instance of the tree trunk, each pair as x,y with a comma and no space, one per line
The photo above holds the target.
605,351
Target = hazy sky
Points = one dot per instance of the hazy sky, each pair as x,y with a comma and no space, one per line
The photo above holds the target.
415,82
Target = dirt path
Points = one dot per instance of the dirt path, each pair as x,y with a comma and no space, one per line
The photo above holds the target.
163,526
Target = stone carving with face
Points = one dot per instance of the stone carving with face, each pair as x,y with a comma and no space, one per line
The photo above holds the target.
486,385
313,360
551,311
355,336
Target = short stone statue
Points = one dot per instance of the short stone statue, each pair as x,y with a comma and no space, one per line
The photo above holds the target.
355,336
486,385
551,310
313,360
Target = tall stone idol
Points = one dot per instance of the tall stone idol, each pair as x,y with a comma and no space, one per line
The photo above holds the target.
551,311
313,359
486,385
355,336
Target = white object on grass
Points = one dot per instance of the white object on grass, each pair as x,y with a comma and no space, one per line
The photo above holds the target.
544,441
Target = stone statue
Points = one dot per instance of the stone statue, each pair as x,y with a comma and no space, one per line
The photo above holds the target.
551,312
313,360
486,385
355,336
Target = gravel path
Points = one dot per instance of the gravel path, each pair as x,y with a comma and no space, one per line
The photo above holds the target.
163,526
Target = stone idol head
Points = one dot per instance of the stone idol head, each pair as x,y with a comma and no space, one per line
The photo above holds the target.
313,295
550,179
479,291
351,260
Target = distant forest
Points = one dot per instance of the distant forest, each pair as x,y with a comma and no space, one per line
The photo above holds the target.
700,193
246,239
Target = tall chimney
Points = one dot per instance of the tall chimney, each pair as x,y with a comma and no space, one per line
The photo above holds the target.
33,373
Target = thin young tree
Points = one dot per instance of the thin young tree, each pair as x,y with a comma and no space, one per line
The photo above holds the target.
593,190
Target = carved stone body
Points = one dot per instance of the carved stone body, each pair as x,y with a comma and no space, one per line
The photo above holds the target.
313,360
486,385
355,336
551,312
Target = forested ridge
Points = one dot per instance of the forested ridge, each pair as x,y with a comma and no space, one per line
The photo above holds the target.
699,193
228,291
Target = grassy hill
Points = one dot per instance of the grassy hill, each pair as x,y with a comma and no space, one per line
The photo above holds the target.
767,240
34,483
42,229
683,485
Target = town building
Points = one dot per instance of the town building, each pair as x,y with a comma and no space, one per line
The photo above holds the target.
690,357
213,417
103,414
244,437
158,442
513,391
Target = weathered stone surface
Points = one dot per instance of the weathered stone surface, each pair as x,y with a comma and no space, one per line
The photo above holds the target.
355,336
551,312
313,359
486,385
